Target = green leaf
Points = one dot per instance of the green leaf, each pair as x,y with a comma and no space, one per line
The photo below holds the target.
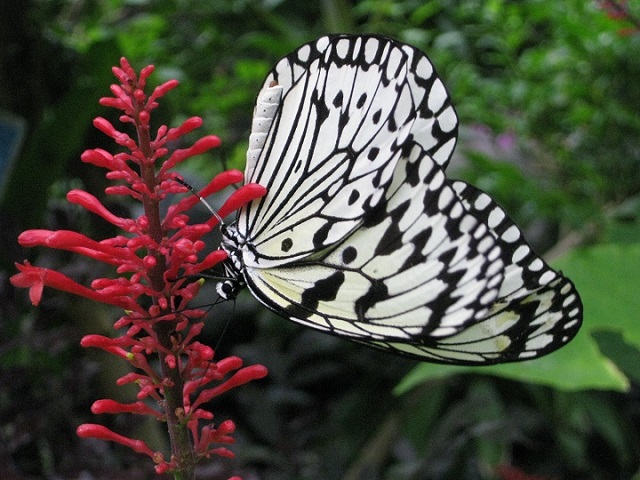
606,277
608,281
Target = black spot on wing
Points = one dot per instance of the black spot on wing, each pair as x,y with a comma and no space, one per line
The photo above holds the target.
446,298
338,99
361,100
343,120
412,169
376,293
447,256
419,243
325,289
286,245
430,202
441,137
392,125
391,238
322,110
320,236
349,254
375,216
376,117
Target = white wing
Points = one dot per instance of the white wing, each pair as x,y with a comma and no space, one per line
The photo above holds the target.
348,106
419,268
537,310
432,285
361,235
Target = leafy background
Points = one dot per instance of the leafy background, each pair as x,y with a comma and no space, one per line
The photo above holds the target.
548,97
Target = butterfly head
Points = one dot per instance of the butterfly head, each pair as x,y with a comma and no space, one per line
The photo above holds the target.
231,241
229,289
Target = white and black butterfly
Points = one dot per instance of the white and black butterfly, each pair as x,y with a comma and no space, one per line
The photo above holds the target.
361,235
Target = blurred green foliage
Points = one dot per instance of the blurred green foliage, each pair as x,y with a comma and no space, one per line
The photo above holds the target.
548,98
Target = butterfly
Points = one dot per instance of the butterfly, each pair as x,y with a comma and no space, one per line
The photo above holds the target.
362,235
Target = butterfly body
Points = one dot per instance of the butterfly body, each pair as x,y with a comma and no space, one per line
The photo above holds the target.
362,235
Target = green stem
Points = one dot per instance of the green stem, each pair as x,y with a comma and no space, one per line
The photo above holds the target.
181,446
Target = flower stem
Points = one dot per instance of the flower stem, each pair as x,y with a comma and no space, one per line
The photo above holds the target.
182,447
181,444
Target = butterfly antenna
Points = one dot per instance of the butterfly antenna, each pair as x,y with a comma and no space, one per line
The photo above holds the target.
226,326
202,200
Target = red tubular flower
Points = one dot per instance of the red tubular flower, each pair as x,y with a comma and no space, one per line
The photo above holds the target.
155,259
254,372
111,406
241,197
90,430
35,279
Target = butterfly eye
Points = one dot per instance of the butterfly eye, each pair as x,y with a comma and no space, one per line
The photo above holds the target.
228,289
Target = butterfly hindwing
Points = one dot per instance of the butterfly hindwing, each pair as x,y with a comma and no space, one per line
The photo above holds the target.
537,310
513,330
420,267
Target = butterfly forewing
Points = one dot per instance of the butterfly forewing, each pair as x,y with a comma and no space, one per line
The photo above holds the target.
362,235
348,108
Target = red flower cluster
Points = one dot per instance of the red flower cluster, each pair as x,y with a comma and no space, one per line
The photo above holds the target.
156,260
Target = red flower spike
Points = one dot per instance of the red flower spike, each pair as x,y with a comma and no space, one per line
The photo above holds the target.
36,279
228,364
221,452
122,190
144,73
219,182
107,128
227,427
76,242
163,466
94,205
105,343
155,259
